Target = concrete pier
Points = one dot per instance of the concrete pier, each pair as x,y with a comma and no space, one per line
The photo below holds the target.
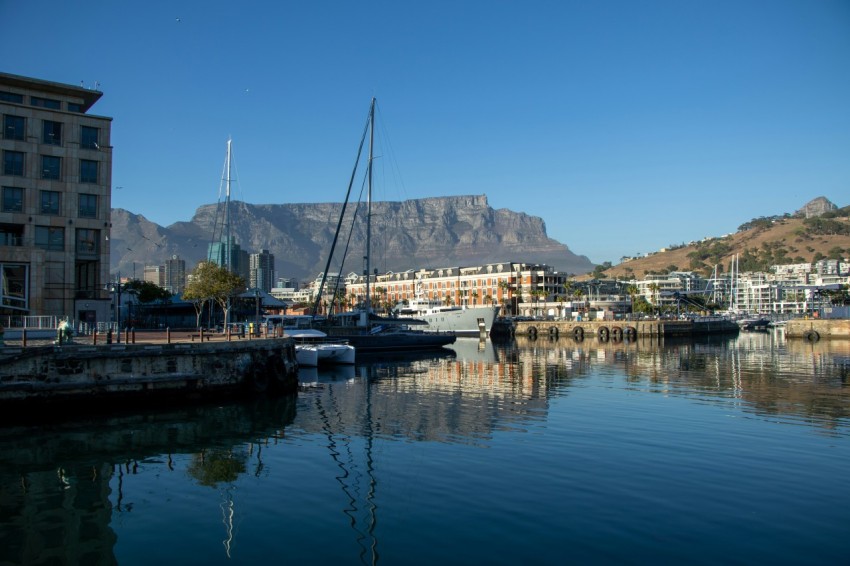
128,372
623,329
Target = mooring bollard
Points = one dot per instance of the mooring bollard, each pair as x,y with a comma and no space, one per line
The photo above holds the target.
168,335
94,338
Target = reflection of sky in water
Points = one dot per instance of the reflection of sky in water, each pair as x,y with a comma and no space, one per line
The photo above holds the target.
558,451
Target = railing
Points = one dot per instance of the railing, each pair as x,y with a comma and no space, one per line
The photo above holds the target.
30,322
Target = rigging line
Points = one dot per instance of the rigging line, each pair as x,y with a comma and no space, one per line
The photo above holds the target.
342,214
221,186
387,146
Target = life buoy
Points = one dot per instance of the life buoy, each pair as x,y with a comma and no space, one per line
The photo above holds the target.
811,335
578,333
617,333
603,333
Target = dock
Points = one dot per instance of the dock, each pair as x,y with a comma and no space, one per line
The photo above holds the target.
624,329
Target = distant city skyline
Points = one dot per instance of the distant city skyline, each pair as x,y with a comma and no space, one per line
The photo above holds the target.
625,126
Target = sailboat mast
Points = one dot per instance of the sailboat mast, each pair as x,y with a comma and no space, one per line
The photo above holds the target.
369,207
228,259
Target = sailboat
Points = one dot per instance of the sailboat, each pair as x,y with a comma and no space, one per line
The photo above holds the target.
363,329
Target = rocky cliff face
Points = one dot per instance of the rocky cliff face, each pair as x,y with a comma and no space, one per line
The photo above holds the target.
816,207
421,233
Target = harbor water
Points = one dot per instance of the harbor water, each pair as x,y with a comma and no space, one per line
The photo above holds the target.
731,450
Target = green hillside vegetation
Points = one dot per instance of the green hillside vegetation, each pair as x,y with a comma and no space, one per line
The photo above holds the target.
759,244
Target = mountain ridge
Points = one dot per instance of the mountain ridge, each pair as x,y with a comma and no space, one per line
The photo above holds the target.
410,234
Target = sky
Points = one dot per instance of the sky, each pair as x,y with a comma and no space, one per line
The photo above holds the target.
627,126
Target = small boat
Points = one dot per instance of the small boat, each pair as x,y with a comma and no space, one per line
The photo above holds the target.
314,347
754,324
362,329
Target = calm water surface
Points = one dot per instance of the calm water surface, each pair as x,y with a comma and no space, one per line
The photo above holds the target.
732,451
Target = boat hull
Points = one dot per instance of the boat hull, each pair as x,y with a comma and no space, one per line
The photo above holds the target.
470,321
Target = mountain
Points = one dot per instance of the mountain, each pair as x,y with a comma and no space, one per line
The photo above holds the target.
818,230
412,234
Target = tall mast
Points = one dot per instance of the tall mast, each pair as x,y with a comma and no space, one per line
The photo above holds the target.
228,259
369,206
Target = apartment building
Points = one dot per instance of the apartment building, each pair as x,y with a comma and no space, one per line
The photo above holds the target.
56,180
262,274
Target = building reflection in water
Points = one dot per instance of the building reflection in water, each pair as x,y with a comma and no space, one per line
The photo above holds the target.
62,486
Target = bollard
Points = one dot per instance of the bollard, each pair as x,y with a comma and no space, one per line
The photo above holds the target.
94,338
126,335
109,336
168,335
24,338
228,334
202,335
133,334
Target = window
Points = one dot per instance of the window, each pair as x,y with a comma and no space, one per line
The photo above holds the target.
88,137
13,285
74,107
51,201
11,97
14,127
88,206
45,103
51,167
13,199
50,238
51,132
13,163
11,234
87,241
88,171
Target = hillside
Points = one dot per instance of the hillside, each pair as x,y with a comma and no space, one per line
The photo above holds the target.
758,245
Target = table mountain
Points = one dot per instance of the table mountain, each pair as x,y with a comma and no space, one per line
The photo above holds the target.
412,234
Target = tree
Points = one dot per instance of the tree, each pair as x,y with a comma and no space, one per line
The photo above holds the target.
147,292
212,281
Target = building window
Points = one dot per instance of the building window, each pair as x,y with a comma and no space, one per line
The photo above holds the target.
87,241
88,206
11,235
13,285
13,163
88,137
13,199
14,127
74,107
45,103
51,167
51,132
50,238
88,171
11,97
50,202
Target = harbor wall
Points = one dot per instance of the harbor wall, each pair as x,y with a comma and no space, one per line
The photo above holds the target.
131,372
814,329
619,329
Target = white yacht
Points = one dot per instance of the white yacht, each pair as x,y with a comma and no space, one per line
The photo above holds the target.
462,320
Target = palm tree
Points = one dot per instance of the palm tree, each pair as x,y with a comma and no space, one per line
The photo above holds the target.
474,298
632,291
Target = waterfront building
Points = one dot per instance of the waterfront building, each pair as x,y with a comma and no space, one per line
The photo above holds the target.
520,288
262,271
55,205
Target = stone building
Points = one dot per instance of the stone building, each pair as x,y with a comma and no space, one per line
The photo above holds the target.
56,180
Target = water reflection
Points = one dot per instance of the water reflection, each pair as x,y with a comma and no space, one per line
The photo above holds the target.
62,488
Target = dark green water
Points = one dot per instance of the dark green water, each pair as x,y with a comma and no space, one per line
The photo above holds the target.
733,451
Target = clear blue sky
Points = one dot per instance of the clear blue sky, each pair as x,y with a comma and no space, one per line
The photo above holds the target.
625,125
